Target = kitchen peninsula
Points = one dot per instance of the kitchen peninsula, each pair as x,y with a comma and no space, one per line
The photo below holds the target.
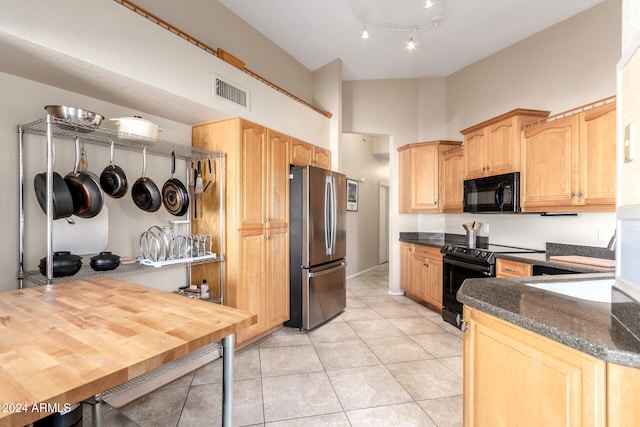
537,357
61,344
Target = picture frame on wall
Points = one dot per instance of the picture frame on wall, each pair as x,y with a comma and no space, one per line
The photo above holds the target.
352,195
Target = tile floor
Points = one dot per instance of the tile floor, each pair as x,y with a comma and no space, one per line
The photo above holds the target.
385,361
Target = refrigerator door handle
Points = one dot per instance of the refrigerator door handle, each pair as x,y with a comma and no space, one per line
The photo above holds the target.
327,236
334,215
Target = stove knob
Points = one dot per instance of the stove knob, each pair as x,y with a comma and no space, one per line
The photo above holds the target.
484,254
476,252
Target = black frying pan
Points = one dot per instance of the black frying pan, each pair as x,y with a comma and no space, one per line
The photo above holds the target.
145,192
113,179
174,194
61,196
85,190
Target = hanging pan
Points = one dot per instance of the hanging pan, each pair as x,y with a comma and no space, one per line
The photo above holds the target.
174,194
61,196
113,179
145,192
84,187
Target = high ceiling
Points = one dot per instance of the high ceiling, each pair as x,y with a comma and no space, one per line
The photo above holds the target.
316,32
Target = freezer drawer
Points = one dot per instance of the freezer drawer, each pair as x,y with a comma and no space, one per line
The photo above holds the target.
317,294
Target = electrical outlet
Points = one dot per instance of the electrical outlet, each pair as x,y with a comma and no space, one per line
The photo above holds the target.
629,142
485,228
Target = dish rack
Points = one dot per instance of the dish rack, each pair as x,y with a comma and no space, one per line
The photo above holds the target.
53,128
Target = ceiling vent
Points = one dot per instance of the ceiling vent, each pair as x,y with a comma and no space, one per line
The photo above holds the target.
231,92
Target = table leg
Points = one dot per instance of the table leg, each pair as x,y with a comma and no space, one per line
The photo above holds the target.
96,411
228,344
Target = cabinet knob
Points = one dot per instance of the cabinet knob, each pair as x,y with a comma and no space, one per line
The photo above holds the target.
435,202
509,269
484,169
488,168
580,194
573,194
426,264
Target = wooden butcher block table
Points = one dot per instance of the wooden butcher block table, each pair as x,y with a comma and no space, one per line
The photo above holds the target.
61,344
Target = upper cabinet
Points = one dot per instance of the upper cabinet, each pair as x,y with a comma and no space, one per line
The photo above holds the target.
493,146
569,161
421,176
453,172
304,154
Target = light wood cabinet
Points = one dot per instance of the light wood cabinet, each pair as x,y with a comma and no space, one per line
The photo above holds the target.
306,154
257,220
421,273
493,146
420,176
569,162
623,399
515,377
453,172
510,268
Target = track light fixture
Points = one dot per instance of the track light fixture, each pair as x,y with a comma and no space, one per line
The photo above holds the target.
381,15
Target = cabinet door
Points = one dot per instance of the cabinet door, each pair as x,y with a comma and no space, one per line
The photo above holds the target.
321,158
277,282
503,151
419,277
424,179
475,146
251,279
549,165
434,288
404,180
598,156
277,188
405,266
513,377
252,184
301,153
453,173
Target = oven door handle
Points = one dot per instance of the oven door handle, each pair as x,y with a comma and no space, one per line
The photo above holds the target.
484,269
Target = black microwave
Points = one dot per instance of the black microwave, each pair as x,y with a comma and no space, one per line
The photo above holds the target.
497,194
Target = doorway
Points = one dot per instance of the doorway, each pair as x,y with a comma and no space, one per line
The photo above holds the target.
383,231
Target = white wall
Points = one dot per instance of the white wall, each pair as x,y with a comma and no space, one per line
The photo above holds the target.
363,226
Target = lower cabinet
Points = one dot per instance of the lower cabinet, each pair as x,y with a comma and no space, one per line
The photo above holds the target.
421,273
263,279
514,377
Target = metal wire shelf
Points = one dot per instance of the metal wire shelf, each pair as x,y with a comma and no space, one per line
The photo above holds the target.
121,140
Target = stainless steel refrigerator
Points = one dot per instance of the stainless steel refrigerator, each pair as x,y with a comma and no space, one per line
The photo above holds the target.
317,247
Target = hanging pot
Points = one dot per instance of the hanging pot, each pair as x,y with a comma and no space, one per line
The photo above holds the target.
61,196
174,194
145,192
136,126
85,189
113,179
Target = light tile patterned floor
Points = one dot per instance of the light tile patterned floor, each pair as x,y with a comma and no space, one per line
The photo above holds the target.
385,361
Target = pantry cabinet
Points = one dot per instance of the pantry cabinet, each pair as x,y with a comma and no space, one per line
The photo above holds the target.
510,268
493,146
257,226
453,172
569,161
306,154
516,377
421,176
421,273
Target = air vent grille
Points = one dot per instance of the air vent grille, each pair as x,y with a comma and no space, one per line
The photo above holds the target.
230,92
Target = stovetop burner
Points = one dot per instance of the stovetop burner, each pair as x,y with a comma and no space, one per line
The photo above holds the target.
483,252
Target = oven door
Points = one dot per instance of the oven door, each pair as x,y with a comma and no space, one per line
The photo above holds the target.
454,272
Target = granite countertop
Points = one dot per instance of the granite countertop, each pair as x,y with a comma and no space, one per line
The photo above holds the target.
438,240
600,329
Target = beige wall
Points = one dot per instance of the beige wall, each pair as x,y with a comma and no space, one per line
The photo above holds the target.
215,25
565,66
362,226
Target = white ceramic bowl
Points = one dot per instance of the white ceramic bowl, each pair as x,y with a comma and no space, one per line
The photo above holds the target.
136,126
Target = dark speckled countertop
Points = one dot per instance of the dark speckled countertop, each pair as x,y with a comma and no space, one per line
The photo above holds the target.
602,330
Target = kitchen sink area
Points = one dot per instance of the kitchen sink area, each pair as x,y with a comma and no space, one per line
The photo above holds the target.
589,290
